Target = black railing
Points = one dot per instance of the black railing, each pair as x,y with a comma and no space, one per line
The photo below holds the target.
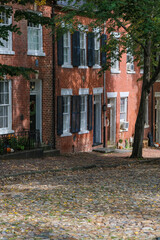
19,141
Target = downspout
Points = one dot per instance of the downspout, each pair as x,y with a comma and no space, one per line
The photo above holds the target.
104,104
152,112
53,78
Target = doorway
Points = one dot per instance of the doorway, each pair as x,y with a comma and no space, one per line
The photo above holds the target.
97,120
32,113
36,106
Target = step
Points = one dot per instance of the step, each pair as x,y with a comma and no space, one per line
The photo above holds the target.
104,150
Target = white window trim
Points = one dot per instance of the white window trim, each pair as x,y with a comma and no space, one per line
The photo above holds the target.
157,94
66,92
131,63
9,129
85,43
97,35
8,50
68,64
125,96
84,91
111,94
116,70
98,90
40,52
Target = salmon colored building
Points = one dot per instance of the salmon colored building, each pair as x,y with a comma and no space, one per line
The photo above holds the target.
73,107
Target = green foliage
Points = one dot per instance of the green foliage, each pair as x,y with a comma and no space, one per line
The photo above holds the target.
15,71
4,31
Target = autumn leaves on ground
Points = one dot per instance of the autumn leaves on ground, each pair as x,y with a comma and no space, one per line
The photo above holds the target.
88,196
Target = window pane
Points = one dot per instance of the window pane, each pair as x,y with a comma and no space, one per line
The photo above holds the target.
1,111
1,87
5,123
1,122
5,21
82,57
66,113
34,37
83,113
4,117
4,99
123,109
97,57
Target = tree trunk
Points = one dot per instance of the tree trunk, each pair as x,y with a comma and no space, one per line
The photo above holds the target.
139,127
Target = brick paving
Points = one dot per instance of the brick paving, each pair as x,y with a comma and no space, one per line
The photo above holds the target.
102,202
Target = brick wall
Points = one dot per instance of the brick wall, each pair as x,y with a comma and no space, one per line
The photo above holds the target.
21,86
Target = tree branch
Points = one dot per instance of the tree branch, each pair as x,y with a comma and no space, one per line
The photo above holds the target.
154,77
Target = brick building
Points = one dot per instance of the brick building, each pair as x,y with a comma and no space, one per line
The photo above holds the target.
66,100
82,94
28,104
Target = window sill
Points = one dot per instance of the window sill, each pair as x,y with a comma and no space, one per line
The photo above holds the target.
66,135
67,66
36,53
124,130
6,131
7,52
83,132
114,71
83,67
131,72
97,67
146,126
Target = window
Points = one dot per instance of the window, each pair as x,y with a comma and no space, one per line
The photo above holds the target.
146,112
123,113
83,123
123,109
82,49
63,112
66,49
74,113
35,46
97,49
66,114
130,63
6,48
115,62
5,107
114,59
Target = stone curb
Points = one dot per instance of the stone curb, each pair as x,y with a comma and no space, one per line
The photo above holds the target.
80,168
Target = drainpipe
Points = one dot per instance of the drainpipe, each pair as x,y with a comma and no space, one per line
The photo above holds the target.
53,76
152,112
104,105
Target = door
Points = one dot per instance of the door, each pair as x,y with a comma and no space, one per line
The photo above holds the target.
97,119
36,106
157,117
111,125
32,113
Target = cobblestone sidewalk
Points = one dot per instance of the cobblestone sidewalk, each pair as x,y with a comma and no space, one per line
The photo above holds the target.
104,202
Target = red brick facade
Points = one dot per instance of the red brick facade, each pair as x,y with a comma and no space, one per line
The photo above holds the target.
76,80
21,87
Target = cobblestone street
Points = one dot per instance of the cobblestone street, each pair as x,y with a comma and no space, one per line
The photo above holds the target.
112,197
